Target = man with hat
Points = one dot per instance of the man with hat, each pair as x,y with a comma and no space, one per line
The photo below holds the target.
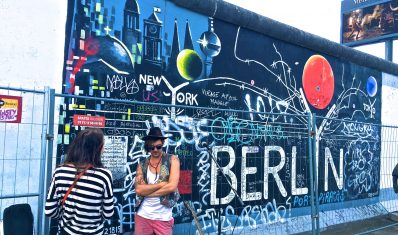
156,183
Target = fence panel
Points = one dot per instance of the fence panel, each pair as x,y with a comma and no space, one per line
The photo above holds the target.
265,156
21,154
355,162
389,160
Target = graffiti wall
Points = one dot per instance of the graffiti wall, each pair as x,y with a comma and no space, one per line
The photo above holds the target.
244,94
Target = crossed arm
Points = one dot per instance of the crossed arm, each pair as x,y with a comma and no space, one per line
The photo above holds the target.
158,189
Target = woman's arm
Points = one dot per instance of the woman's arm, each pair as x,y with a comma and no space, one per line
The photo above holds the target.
141,188
52,202
171,186
107,204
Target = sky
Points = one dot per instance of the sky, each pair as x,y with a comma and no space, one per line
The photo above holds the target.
319,17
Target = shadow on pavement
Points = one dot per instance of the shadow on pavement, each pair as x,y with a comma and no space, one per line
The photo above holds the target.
384,224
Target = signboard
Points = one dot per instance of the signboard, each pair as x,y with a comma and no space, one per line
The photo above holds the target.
10,109
350,5
363,23
85,120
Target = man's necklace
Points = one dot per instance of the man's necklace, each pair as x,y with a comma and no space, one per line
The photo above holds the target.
156,167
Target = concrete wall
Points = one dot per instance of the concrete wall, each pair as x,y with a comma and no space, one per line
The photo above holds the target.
235,60
257,64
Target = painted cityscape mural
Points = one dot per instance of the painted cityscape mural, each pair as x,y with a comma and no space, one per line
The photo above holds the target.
245,95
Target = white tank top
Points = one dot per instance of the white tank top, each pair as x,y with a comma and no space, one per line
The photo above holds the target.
151,207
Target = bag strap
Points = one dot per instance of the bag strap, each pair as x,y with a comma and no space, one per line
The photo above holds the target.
74,183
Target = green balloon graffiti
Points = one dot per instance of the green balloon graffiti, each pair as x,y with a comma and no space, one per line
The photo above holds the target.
189,64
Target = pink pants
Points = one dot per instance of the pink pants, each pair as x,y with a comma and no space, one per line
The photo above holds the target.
150,227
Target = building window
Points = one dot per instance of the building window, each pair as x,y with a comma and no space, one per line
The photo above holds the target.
129,22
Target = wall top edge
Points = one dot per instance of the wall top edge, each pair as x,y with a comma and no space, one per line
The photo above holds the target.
230,13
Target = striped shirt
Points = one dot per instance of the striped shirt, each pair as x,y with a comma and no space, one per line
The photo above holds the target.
89,203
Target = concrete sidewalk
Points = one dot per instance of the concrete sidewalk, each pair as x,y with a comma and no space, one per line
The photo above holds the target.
384,224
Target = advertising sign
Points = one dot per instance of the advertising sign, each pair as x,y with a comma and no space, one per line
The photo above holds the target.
10,108
369,23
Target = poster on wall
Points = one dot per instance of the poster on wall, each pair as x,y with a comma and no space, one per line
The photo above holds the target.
246,95
10,109
114,158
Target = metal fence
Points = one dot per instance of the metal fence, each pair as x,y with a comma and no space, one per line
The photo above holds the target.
349,155
293,173
23,153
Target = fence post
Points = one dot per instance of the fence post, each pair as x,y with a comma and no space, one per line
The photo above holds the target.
312,194
312,152
44,126
315,166
46,157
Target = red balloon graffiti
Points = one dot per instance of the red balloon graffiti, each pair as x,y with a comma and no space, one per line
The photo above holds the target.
318,81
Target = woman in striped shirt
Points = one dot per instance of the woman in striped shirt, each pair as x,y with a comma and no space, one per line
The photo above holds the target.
90,201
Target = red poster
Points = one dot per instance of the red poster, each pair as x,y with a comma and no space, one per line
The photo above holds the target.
10,108
185,184
85,120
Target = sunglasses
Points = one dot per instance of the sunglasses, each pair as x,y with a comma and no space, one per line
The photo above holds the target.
158,147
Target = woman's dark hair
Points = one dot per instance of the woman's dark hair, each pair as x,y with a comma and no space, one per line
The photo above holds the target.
86,148
148,143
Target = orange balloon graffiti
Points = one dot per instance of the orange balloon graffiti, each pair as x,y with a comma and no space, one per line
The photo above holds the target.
318,81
